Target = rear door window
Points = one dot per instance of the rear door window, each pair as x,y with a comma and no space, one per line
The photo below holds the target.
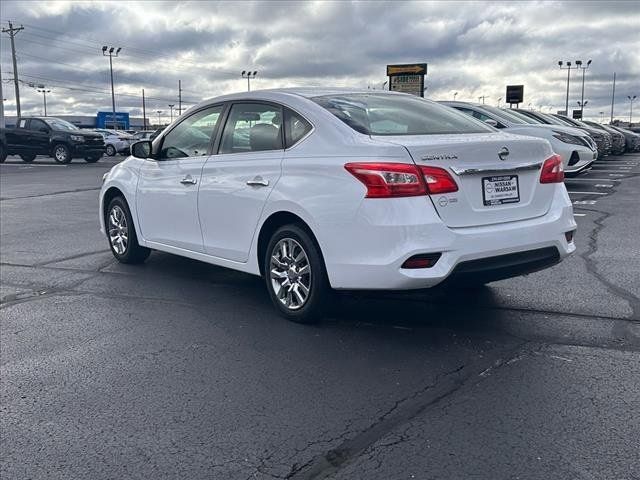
252,127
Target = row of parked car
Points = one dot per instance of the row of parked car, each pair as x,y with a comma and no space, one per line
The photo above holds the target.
64,141
579,143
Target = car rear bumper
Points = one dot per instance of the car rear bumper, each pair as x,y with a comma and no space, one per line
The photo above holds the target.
369,255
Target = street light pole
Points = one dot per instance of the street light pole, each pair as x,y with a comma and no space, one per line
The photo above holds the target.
171,105
631,99
568,69
499,100
248,75
109,51
481,98
584,69
455,94
582,105
158,112
44,92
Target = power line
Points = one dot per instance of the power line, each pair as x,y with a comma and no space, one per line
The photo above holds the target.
134,51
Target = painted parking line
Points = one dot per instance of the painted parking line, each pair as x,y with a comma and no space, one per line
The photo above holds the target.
585,202
579,214
591,180
586,193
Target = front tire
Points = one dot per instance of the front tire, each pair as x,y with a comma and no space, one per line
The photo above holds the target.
295,275
61,153
122,233
111,150
28,157
3,153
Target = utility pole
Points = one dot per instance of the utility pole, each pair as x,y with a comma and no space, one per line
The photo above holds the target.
144,112
171,105
111,54
631,99
179,97
248,75
2,124
613,97
44,92
13,31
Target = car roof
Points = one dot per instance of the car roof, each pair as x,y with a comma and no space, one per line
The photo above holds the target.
276,94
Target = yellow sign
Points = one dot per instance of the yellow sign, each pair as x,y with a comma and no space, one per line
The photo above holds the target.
410,69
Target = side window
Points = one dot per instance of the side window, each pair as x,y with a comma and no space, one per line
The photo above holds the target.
295,127
192,136
37,124
252,127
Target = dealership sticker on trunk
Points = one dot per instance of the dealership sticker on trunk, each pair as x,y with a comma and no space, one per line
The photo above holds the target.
499,190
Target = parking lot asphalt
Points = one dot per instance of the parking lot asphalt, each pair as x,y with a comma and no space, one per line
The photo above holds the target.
178,369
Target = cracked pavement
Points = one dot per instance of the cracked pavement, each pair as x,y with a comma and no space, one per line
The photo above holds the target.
178,369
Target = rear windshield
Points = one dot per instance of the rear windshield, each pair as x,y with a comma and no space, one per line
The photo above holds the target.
386,114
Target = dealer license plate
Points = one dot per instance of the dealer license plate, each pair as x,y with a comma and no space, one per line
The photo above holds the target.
499,190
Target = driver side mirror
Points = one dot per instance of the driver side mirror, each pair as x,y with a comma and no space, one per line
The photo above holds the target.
141,149
44,129
492,122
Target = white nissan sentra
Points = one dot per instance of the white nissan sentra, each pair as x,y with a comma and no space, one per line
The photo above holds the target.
321,189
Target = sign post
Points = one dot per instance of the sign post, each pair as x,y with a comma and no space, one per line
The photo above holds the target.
407,78
515,94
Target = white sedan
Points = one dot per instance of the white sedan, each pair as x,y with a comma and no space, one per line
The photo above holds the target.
576,147
115,141
337,189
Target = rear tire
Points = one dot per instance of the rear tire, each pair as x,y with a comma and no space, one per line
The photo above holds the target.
121,233
111,150
61,153
295,275
28,157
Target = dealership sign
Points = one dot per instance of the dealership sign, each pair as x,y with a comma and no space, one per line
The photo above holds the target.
407,78
106,120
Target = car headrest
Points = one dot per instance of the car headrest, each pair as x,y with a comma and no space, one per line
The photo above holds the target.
264,136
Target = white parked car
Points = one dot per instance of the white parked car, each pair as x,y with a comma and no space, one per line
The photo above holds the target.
337,189
115,141
576,147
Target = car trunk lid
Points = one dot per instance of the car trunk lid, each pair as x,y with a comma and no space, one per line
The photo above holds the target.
498,175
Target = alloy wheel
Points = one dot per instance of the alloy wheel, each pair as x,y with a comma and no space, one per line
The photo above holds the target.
118,230
290,273
61,154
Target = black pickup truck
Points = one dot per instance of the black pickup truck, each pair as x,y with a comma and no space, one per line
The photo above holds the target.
52,137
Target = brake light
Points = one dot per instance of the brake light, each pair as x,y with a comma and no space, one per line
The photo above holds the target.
438,180
552,170
384,180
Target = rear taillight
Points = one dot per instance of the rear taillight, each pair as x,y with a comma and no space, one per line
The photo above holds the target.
552,170
384,180
438,180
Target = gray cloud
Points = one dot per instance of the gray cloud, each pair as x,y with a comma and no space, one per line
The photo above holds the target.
472,48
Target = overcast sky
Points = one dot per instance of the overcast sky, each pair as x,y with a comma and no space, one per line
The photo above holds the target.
475,49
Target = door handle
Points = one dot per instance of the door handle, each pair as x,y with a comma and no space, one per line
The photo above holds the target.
258,182
188,180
